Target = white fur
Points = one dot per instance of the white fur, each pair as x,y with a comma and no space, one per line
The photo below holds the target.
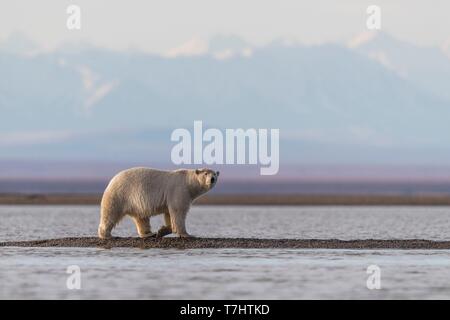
144,192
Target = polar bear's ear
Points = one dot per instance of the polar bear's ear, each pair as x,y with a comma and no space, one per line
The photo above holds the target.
197,171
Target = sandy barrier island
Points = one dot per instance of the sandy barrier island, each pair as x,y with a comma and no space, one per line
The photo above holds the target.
239,243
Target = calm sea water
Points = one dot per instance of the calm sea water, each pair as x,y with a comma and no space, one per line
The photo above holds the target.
127,273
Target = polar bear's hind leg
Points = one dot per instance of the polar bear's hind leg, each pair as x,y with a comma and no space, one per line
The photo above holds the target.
143,227
167,228
107,223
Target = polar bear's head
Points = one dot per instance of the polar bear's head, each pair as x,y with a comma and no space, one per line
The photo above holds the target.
207,178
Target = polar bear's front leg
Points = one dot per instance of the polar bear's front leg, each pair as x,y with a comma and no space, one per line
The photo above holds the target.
167,228
178,222
143,227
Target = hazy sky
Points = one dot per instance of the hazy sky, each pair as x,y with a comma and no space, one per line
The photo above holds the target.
158,26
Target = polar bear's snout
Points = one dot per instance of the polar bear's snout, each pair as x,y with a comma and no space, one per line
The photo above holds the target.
214,177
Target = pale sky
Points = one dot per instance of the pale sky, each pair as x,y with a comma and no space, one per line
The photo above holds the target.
158,26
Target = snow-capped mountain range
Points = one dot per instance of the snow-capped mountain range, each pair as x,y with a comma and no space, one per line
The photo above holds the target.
375,99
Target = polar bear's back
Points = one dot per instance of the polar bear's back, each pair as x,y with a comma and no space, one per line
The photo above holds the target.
140,191
141,176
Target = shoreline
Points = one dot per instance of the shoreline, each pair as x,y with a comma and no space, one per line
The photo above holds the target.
231,243
247,199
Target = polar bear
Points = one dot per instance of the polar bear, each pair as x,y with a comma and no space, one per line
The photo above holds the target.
144,192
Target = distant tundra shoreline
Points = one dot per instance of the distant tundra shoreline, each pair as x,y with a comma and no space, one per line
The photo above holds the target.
244,199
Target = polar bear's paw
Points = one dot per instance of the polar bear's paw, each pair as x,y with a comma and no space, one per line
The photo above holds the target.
164,231
186,235
148,235
103,233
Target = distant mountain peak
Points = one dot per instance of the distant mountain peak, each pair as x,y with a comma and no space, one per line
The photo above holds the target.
220,47
377,39
193,47
227,42
361,39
